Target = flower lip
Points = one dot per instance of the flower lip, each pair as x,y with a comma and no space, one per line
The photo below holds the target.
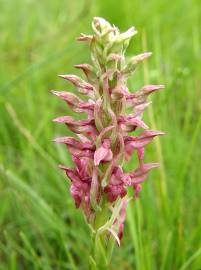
103,153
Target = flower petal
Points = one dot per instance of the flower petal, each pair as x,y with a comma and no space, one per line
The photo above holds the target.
81,168
130,123
83,87
126,35
84,139
76,147
115,235
76,194
67,96
140,174
84,37
139,109
74,102
137,189
134,142
88,71
94,191
133,61
71,173
78,126
139,97
148,89
102,153
114,191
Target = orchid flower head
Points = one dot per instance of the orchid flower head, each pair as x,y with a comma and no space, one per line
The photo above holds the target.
112,131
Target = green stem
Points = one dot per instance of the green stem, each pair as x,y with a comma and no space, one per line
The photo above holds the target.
99,259
102,248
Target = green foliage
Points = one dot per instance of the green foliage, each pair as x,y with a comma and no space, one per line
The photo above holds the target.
40,228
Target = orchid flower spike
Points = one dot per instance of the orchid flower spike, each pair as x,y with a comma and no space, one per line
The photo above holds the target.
107,138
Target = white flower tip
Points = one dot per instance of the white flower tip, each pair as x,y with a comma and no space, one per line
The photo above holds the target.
62,119
144,55
59,140
62,76
133,30
161,86
54,92
62,167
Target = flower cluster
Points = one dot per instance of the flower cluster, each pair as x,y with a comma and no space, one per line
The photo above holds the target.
107,137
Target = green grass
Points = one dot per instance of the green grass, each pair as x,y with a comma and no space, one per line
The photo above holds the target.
39,226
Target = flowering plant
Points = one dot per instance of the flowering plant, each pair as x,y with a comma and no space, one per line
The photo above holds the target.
102,144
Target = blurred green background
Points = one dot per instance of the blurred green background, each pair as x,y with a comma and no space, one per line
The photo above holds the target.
39,226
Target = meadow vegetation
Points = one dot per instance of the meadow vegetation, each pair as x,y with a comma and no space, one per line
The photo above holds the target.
39,226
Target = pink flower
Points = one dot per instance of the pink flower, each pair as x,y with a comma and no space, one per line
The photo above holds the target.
103,153
81,184
135,142
102,141
74,102
82,86
81,126
141,173
117,184
76,147
130,123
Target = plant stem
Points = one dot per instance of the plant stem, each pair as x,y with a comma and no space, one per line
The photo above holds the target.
102,246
